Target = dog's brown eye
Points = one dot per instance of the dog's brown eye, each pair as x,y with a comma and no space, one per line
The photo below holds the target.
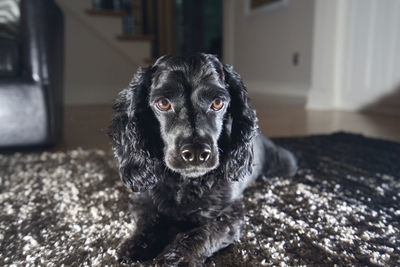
217,104
163,104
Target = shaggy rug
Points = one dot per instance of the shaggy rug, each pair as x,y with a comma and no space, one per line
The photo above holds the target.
341,208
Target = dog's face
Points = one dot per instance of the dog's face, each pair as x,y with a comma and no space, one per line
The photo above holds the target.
190,104
190,114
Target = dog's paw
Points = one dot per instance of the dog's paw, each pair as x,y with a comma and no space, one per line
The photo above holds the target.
172,259
126,252
134,250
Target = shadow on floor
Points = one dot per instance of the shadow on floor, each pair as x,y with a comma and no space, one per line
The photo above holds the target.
388,104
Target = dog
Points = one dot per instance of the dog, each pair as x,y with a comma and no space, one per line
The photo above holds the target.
187,144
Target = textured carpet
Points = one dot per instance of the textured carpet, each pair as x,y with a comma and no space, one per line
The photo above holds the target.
341,208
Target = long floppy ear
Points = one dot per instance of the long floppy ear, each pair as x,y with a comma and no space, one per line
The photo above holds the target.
133,133
244,128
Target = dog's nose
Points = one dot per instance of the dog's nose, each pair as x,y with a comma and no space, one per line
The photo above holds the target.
195,154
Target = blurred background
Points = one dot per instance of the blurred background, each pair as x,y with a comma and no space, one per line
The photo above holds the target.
310,66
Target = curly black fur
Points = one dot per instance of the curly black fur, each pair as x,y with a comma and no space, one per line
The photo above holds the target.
185,212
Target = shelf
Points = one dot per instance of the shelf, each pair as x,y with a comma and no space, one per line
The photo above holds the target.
135,37
105,12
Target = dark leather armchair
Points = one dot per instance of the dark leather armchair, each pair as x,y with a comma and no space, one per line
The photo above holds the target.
31,73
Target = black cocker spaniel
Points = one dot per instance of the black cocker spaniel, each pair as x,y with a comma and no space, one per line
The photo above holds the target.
187,144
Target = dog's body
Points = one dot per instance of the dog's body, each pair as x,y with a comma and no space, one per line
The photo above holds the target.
186,138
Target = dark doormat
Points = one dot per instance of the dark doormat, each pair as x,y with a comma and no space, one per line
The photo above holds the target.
341,208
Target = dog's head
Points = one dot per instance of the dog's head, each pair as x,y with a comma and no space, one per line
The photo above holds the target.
190,114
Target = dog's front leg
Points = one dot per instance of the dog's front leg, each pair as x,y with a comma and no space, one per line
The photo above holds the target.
192,248
150,235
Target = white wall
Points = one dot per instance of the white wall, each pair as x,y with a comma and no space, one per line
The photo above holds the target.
264,43
356,55
94,71
349,52
97,67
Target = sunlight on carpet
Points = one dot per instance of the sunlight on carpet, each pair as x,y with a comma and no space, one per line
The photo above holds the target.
342,208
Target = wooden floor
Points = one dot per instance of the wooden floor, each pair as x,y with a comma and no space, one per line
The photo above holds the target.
86,126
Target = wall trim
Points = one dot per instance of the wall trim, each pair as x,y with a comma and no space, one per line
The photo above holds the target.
326,55
354,57
282,88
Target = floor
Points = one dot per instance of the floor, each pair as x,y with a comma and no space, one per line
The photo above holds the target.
86,126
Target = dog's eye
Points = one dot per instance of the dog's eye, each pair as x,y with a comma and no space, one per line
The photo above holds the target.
217,104
163,104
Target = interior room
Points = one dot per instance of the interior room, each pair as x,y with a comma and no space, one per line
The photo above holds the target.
306,71
322,76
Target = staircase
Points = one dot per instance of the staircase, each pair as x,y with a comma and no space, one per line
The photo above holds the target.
107,24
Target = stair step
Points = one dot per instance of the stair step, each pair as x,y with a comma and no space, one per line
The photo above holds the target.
136,37
104,12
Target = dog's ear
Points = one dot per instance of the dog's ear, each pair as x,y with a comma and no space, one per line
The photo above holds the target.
244,127
133,134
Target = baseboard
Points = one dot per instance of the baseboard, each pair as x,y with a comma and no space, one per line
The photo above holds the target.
277,94
278,88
